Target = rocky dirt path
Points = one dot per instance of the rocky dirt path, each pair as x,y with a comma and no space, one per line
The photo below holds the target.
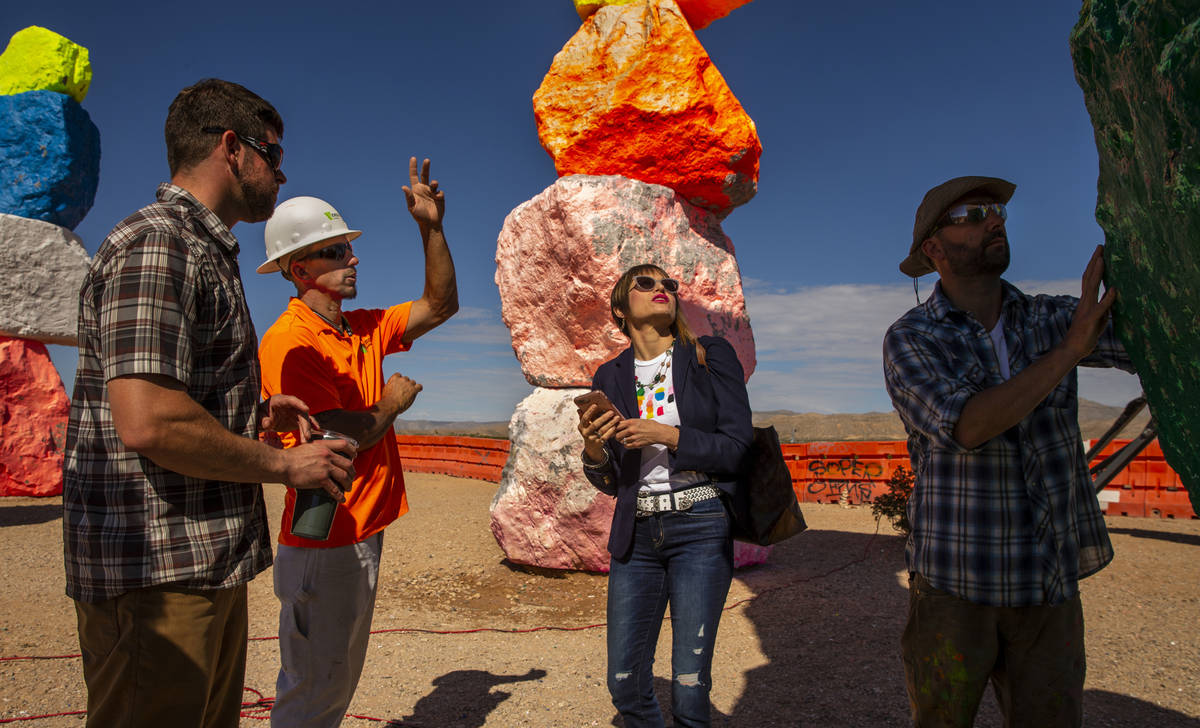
810,639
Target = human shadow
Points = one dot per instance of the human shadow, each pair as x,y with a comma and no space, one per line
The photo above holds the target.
1190,539
29,515
1103,709
462,698
828,610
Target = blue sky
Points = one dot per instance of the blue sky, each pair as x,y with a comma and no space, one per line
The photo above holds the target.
861,107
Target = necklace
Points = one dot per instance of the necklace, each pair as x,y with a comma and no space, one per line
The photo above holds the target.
342,328
644,390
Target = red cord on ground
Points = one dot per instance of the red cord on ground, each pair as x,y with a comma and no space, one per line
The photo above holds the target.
254,710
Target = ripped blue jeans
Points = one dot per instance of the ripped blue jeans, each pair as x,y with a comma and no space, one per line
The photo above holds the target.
681,558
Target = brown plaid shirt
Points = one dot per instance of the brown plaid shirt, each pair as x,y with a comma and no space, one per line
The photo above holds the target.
163,296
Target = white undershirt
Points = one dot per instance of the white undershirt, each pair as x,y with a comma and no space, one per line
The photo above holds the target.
1001,347
656,476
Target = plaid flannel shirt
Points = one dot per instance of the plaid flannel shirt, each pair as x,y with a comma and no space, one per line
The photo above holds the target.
163,296
1014,522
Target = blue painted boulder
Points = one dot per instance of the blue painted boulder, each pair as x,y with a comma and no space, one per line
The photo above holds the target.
49,158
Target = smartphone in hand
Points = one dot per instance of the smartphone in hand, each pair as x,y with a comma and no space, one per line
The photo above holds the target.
598,398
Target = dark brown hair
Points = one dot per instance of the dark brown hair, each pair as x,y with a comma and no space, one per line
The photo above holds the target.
214,103
619,301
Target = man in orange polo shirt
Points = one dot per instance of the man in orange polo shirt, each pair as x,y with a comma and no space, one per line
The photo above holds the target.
332,359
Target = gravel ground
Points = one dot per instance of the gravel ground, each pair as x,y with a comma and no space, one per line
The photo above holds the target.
810,639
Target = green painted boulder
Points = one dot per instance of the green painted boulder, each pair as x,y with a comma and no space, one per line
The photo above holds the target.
1138,62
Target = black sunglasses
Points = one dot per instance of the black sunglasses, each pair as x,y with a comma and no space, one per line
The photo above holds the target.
337,251
270,151
647,283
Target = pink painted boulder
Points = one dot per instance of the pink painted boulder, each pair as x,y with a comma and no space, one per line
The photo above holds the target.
560,253
545,512
33,414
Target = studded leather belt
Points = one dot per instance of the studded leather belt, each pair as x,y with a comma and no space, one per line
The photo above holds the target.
680,500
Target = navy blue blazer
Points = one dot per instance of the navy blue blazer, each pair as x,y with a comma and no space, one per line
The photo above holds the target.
714,431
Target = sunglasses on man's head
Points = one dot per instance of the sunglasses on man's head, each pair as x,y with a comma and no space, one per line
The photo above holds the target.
269,151
647,283
973,212
337,251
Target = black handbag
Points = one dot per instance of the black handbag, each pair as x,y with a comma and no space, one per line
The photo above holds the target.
764,508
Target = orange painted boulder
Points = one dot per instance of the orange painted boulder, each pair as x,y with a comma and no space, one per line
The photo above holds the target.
33,410
633,93
699,13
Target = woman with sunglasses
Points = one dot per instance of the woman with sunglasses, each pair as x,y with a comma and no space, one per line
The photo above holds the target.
668,452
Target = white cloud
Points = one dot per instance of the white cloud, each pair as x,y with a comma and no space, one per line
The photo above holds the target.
819,348
467,370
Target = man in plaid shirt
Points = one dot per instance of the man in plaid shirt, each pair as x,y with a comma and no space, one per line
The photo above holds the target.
1005,521
163,516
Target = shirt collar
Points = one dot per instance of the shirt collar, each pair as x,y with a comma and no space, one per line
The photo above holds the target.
938,307
310,317
173,194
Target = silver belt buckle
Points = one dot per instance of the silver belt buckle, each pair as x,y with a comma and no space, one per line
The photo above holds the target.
648,505
685,500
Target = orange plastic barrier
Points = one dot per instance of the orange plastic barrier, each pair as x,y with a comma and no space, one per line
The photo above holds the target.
1147,487
856,472
479,458
830,472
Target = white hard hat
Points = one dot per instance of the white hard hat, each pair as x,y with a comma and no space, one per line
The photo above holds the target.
298,223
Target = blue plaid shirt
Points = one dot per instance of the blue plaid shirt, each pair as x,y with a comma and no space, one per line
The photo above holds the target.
1014,522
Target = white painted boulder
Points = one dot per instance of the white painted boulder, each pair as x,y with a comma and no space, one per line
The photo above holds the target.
559,254
45,266
545,512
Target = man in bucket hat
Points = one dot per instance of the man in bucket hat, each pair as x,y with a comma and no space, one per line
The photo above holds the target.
1005,521
332,359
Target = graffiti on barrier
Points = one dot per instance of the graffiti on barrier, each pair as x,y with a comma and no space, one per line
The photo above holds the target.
851,491
847,467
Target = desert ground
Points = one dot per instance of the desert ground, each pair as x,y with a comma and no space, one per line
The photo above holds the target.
808,639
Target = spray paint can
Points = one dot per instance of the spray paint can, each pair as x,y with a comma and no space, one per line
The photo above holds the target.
314,509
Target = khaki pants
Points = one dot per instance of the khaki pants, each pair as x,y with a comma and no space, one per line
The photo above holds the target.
1033,656
164,657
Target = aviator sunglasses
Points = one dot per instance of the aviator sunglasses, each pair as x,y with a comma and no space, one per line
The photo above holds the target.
270,151
647,283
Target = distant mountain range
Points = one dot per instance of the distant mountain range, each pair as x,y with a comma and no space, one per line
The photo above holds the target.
1094,420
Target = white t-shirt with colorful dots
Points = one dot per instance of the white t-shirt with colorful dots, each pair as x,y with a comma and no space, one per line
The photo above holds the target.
655,390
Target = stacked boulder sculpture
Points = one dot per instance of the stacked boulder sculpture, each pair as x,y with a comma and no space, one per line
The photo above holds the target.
49,171
653,151
1139,66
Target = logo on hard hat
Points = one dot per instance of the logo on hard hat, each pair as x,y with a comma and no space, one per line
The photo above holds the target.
333,215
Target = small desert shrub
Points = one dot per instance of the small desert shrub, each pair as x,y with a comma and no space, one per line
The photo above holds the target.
894,504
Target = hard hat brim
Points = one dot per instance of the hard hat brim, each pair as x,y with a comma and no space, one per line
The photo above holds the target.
271,265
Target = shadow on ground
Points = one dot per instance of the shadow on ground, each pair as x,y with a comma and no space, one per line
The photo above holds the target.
29,515
1189,539
828,612
461,698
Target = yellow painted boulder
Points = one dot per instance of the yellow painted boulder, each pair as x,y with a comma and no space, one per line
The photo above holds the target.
38,59
633,93
699,13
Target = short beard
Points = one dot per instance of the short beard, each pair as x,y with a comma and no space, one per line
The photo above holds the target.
260,203
984,263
